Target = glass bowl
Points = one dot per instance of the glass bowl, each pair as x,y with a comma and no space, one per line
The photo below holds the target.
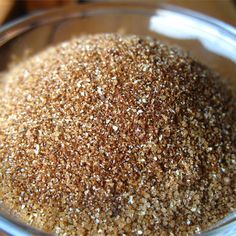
207,39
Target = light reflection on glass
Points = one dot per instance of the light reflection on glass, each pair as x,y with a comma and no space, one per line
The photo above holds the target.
179,26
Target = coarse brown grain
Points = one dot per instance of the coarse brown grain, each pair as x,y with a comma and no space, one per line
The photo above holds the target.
117,135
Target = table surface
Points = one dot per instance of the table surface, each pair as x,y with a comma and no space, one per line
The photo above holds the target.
224,10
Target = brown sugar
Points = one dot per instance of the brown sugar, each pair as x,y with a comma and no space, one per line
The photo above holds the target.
117,135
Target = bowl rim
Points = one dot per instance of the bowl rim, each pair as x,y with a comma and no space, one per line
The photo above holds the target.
25,23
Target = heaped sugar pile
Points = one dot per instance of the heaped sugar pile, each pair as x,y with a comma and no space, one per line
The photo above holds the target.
117,135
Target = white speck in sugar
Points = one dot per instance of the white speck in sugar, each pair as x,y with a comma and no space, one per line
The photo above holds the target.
115,128
37,149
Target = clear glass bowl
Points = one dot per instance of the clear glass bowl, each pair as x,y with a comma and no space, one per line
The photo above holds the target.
207,39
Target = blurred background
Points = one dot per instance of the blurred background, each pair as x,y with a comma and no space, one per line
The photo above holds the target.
224,10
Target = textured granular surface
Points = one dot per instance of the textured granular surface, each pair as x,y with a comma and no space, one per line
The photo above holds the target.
117,135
